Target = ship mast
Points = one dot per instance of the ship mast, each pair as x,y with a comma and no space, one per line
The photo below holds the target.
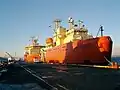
57,23
80,23
100,30
71,23
34,41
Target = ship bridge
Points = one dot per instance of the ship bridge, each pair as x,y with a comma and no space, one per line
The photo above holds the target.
74,32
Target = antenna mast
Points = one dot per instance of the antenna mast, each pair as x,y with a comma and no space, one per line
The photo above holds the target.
80,23
100,29
71,22
32,39
57,23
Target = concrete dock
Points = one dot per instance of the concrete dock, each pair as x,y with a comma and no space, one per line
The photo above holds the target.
58,77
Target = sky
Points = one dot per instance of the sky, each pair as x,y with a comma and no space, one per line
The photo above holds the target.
21,19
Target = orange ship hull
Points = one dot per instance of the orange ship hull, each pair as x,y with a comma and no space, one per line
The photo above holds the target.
91,51
32,58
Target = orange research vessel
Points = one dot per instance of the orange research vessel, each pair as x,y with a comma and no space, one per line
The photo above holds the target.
76,46
32,52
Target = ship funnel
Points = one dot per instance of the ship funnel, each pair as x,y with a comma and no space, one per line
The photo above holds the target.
57,23
71,22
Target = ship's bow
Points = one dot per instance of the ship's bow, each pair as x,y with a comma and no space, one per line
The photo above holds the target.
105,47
